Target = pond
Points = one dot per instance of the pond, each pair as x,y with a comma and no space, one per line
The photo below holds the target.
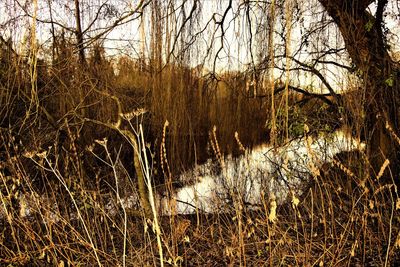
258,174
219,186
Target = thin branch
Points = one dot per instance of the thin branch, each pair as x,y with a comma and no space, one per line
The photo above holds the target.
193,9
221,26
318,74
95,18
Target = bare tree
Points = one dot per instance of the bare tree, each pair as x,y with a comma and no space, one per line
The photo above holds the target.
79,34
360,48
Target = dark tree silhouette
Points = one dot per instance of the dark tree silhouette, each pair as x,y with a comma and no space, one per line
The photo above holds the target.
366,44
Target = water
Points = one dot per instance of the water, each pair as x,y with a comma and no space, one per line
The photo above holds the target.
246,180
256,175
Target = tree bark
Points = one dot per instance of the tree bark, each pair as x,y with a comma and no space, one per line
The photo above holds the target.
366,45
79,35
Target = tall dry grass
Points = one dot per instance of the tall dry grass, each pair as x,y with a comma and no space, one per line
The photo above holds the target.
69,192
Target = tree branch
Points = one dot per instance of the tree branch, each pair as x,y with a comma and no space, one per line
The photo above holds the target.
323,97
313,70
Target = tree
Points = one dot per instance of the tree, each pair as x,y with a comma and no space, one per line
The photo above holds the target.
365,42
79,34
364,37
189,32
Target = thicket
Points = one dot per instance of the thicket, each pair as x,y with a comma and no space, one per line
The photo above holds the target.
70,134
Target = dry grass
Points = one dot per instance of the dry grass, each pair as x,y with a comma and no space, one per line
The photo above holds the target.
337,222
63,194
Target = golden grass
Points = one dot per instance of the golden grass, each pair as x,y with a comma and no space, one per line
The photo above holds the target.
57,182
328,225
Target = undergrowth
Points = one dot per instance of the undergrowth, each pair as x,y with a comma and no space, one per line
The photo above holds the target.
346,217
75,146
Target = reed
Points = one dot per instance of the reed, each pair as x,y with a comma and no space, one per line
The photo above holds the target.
92,156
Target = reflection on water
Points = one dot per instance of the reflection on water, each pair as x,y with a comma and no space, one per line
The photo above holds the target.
255,175
219,185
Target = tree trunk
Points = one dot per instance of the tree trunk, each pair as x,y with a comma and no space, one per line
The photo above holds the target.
54,47
79,35
366,45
